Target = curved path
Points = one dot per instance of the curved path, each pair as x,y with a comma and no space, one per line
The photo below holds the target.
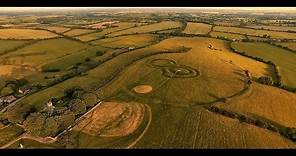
145,130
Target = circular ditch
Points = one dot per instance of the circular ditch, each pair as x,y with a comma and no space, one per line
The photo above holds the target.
180,72
162,63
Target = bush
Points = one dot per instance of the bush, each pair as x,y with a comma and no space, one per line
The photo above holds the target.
6,91
51,70
265,80
70,91
34,124
89,99
99,53
87,59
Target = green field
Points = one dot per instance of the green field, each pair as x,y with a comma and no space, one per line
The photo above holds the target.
70,60
148,28
8,45
227,35
77,32
134,41
270,27
259,33
44,52
285,59
97,35
289,45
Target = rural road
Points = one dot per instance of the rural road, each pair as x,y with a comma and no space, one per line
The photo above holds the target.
12,104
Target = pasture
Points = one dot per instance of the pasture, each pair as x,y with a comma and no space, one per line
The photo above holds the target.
289,45
10,45
197,28
271,27
258,33
148,28
227,35
283,58
71,60
77,32
43,52
117,27
134,41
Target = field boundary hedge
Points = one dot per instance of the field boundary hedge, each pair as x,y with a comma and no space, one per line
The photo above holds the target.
278,78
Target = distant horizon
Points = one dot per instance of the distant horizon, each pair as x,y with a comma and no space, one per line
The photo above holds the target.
272,9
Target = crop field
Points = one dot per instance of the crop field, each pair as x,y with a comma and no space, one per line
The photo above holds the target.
276,28
25,34
289,45
285,59
77,32
148,28
254,32
147,78
134,41
281,110
227,35
118,27
197,28
43,52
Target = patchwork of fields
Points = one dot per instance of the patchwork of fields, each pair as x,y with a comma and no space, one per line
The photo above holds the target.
148,84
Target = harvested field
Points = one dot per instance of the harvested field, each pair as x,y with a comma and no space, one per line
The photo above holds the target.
15,71
113,119
259,33
197,28
25,34
268,102
143,89
148,28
